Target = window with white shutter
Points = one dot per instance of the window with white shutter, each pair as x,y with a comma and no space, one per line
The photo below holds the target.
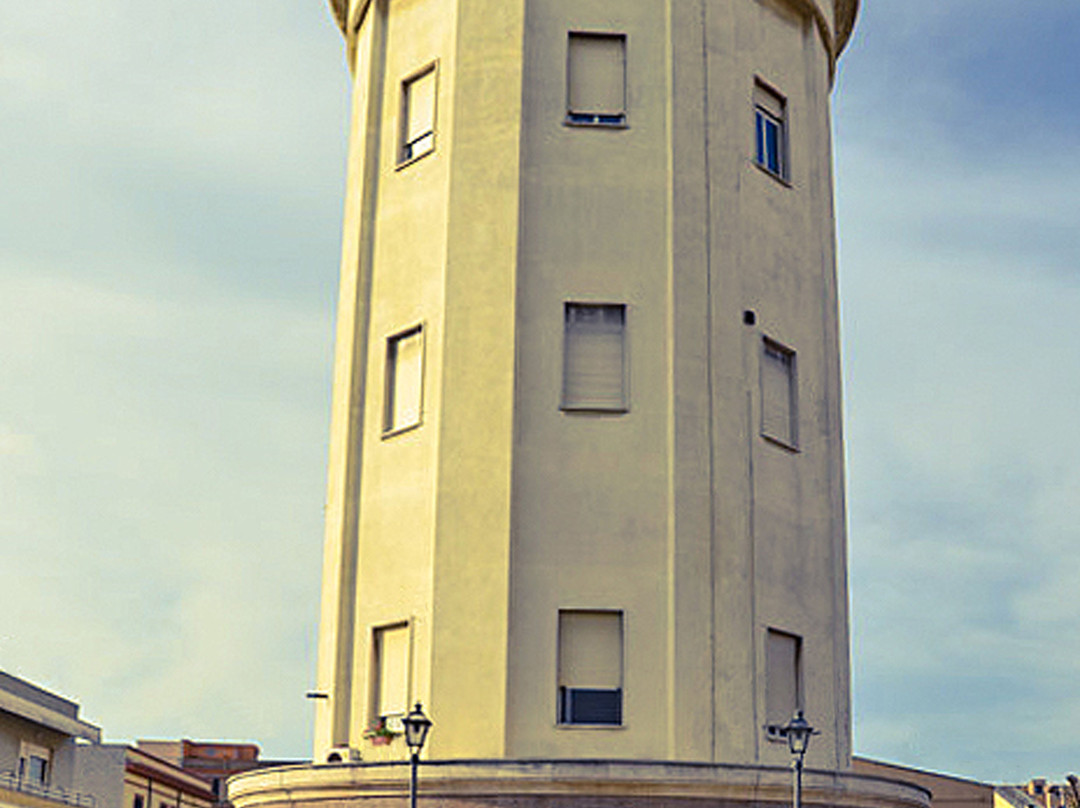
404,380
391,680
779,410
783,680
596,79
594,361
418,103
590,667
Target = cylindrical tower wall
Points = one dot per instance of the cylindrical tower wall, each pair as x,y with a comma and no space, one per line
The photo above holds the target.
587,383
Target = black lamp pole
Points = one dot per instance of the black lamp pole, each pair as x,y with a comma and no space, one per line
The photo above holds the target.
416,729
798,732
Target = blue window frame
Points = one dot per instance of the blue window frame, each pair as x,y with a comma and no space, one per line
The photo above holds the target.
770,123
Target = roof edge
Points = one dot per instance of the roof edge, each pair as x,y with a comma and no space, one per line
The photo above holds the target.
340,9
846,10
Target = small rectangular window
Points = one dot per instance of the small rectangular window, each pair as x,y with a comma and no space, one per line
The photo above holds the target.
783,680
594,357
418,101
391,665
137,802
404,380
779,410
770,121
590,667
34,763
596,79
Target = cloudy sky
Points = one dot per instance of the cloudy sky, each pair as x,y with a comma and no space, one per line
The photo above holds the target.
170,193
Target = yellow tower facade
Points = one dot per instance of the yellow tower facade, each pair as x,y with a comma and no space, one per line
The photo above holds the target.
587,389
586,491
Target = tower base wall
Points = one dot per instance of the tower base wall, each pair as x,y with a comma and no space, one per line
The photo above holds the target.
564,784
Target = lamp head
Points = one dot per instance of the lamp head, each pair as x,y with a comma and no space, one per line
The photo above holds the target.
798,733
416,728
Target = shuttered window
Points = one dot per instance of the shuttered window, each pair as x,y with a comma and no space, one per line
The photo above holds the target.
590,667
594,368
778,394
418,115
391,689
404,380
596,79
783,678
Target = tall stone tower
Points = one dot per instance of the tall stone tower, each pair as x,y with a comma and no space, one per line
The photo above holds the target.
586,490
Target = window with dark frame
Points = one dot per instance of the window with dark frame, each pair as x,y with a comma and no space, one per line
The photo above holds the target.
770,122
418,102
596,79
590,663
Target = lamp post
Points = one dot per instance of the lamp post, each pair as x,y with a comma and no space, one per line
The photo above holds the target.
416,729
798,732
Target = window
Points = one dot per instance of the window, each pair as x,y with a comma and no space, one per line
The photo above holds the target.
391,665
590,667
137,801
770,121
404,380
418,115
596,79
778,394
783,680
594,357
34,764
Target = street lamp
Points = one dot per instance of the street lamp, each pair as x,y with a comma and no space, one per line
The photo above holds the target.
416,729
798,732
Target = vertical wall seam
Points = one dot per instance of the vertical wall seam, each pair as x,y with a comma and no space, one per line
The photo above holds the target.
709,377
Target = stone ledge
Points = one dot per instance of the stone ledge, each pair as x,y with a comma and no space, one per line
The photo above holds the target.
565,784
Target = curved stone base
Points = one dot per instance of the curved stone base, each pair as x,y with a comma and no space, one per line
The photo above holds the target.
564,784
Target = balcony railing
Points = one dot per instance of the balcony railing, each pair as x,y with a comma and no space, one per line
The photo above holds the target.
13,782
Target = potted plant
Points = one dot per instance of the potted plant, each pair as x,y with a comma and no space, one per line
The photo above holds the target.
379,733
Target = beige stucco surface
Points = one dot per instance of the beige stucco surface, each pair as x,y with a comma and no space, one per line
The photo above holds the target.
565,784
499,509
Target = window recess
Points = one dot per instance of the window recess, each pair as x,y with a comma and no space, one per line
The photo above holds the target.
403,405
418,103
390,686
596,79
594,357
783,681
779,394
771,136
590,667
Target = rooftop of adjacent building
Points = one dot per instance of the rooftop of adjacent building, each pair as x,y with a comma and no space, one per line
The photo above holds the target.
35,704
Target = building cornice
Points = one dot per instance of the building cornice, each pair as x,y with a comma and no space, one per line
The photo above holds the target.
844,12
30,711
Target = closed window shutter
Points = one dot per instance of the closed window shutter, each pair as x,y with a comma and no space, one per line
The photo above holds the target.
597,73
405,357
393,672
590,650
595,363
769,101
778,393
421,107
782,687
